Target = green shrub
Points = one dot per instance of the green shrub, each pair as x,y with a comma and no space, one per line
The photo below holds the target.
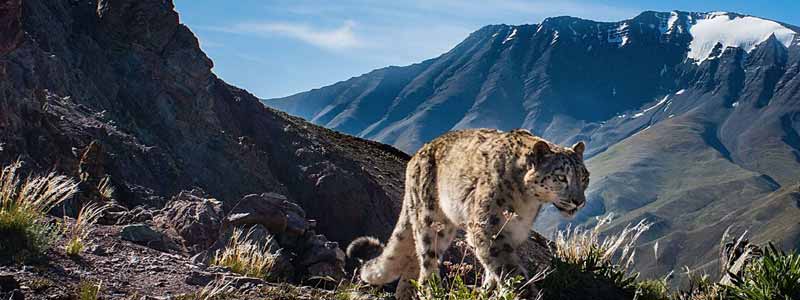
652,290
776,275
24,230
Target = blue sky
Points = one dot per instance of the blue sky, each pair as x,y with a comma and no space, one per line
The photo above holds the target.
277,48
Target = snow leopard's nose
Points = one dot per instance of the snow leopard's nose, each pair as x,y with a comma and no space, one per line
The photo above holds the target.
579,202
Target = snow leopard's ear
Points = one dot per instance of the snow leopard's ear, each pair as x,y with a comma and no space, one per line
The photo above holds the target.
578,148
541,149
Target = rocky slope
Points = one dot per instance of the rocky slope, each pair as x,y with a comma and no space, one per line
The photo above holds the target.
692,119
128,79
119,89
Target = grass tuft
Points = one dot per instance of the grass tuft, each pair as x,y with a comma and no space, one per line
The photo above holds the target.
582,255
88,290
79,232
244,256
455,288
24,204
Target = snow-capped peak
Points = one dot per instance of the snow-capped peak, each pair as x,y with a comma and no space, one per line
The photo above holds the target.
733,30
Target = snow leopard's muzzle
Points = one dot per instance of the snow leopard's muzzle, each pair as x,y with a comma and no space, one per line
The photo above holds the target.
569,206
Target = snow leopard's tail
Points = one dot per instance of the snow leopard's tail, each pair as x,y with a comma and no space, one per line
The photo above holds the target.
383,265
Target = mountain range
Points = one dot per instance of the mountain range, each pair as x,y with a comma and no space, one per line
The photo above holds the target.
691,119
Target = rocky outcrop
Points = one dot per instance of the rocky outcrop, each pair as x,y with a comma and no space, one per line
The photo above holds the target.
126,81
194,218
280,225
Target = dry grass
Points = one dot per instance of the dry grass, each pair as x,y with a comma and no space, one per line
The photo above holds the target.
24,204
244,256
105,189
583,257
575,245
79,232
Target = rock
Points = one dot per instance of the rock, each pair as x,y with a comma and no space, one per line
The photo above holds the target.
139,214
194,217
283,267
16,295
273,211
321,250
10,25
10,288
200,278
8,283
97,250
144,235
325,270
113,214
323,258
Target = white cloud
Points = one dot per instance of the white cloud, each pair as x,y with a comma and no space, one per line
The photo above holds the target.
342,37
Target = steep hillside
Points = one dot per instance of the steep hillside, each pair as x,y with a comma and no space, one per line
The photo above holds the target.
126,75
691,119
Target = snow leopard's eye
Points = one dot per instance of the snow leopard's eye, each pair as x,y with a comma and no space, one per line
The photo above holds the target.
561,178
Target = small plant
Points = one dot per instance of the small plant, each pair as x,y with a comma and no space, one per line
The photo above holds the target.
776,275
79,232
702,288
88,290
244,256
24,204
652,290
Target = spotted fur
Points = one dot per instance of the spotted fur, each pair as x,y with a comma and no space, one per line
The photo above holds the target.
489,183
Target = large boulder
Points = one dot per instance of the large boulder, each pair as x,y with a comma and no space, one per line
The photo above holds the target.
144,235
273,211
193,218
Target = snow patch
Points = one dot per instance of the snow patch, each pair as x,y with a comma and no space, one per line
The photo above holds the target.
650,108
735,104
733,31
511,36
619,34
673,17
680,92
